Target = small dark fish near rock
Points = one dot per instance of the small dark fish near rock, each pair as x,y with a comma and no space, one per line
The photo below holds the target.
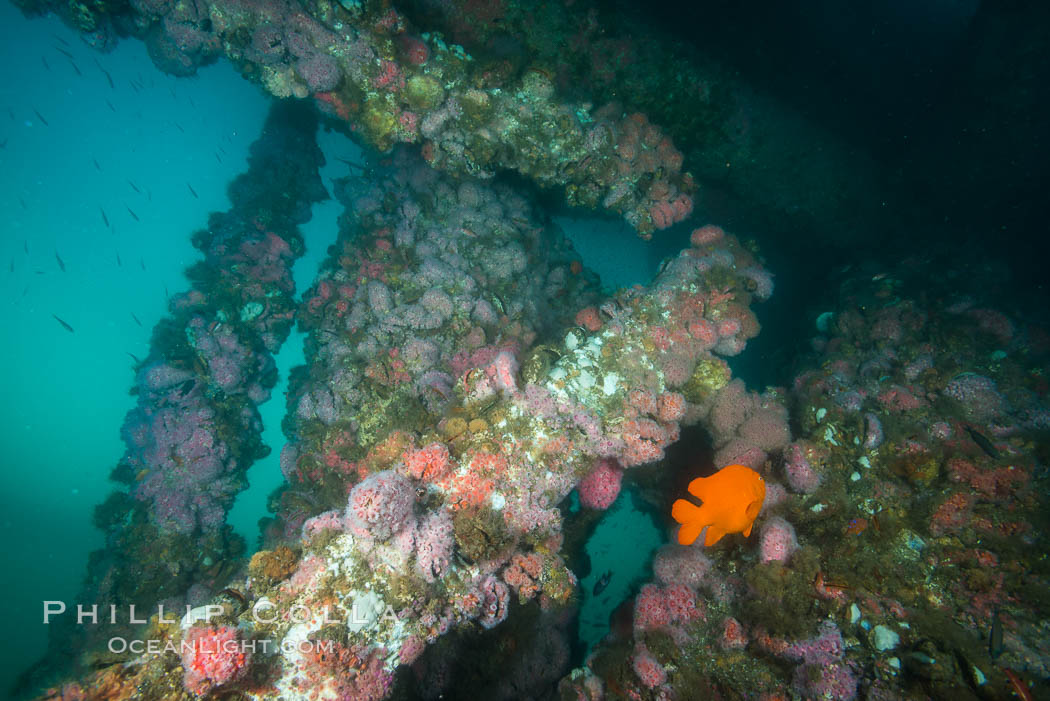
187,387
235,594
61,263
983,443
602,582
66,326
136,319
995,636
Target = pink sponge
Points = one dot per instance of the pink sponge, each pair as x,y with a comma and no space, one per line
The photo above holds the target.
601,486
778,541
213,657
380,505
799,470
648,669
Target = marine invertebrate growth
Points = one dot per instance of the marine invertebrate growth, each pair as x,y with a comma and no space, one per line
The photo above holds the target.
195,429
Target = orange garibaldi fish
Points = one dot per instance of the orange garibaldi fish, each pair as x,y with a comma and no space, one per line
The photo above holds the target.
732,499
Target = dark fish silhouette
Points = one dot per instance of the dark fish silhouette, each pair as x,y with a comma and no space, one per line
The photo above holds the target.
72,63
106,73
105,219
983,443
134,357
119,263
97,166
111,107
602,582
136,319
25,246
350,163
46,64
995,636
41,118
217,157
66,326
133,215
192,191
65,53
61,263
134,187
179,127
60,40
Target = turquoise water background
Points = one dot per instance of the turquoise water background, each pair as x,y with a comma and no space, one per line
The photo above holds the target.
66,394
